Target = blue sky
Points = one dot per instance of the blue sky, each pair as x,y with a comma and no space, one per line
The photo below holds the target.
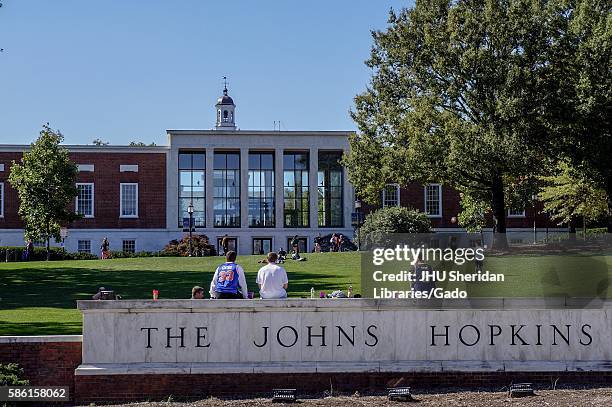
128,70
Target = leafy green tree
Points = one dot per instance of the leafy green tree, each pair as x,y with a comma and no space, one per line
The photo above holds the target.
568,196
392,220
456,97
586,91
99,142
45,182
141,144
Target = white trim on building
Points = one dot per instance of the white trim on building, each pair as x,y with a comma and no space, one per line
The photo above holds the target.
428,195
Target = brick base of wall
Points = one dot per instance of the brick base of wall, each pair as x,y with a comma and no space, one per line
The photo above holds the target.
125,388
53,364
44,363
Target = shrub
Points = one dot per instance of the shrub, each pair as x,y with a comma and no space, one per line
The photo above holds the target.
12,375
200,246
15,253
392,220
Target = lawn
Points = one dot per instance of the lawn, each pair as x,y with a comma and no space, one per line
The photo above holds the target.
38,298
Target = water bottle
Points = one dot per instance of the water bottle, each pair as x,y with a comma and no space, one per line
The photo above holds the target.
312,293
349,292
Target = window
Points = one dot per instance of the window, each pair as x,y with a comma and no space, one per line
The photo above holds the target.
261,190
129,246
1,200
433,200
84,204
129,200
516,213
262,245
295,190
84,246
192,188
226,182
302,244
232,244
330,189
391,195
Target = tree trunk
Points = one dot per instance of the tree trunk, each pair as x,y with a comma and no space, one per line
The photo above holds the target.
609,194
500,241
48,249
572,229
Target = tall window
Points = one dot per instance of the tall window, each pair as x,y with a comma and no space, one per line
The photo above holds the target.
1,199
226,183
129,200
84,204
433,200
192,187
390,195
330,188
295,194
261,190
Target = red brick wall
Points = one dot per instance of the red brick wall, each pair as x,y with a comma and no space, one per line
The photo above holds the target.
45,363
125,388
151,179
413,196
54,363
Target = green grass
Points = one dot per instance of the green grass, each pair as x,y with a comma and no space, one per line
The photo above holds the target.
39,298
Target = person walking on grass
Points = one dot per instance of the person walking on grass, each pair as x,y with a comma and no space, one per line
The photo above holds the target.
104,248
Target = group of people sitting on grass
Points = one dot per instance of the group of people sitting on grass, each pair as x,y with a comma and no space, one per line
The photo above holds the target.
229,281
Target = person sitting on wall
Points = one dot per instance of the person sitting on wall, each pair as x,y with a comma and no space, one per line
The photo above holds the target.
197,293
272,279
228,277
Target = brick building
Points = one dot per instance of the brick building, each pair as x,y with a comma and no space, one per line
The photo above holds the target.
259,187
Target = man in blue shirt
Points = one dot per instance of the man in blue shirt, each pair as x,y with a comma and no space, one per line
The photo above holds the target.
229,281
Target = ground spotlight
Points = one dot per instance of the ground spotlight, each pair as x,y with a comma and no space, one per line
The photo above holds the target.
283,396
399,394
521,390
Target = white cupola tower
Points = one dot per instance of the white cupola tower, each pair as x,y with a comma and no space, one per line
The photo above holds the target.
225,107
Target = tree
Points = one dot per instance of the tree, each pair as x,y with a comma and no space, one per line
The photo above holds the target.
456,97
45,182
100,143
587,91
383,222
141,144
569,196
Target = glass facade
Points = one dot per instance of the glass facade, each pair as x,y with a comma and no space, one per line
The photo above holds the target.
295,189
192,187
261,189
330,187
226,182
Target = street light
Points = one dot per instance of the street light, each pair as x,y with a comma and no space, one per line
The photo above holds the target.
190,211
63,234
357,220
535,213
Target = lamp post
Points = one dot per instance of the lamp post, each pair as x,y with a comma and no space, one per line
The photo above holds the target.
535,214
357,221
190,211
63,235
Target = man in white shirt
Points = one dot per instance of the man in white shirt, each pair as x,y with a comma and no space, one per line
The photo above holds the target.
272,279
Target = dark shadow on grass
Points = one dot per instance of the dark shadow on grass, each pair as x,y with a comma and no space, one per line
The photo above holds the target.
40,328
